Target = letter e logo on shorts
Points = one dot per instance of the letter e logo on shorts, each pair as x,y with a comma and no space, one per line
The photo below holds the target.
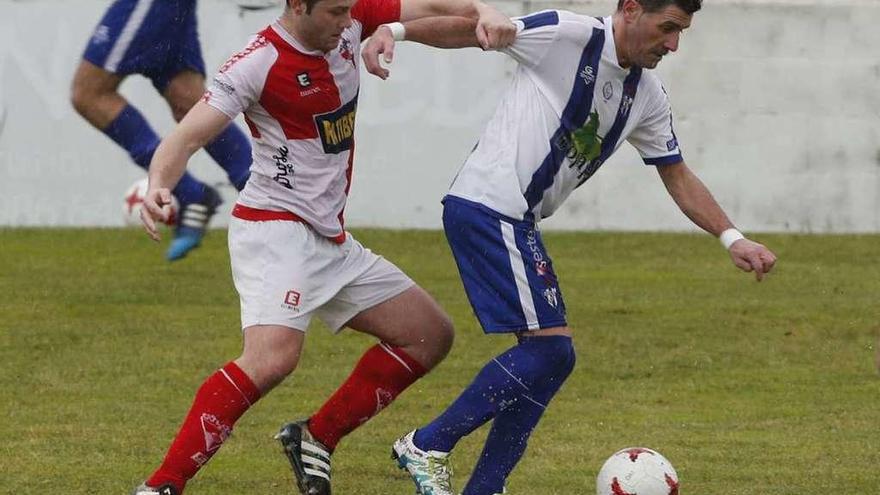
291,299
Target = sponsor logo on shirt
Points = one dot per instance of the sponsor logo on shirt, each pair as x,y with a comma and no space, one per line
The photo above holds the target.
101,35
583,147
587,75
337,128
291,300
222,86
671,144
303,79
285,170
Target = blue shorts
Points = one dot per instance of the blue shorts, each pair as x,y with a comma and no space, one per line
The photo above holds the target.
156,38
506,271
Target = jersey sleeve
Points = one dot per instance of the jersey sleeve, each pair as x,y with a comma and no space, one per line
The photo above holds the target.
373,13
654,137
239,82
534,35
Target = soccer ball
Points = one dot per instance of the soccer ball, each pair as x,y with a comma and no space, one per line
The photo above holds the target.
134,199
637,471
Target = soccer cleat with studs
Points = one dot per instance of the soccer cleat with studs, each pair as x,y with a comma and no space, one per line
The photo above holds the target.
309,458
431,471
143,489
192,223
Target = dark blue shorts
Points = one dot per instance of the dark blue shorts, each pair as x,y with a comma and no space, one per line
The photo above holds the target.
507,274
156,38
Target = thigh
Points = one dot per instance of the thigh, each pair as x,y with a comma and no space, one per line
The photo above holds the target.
506,271
369,281
183,91
283,272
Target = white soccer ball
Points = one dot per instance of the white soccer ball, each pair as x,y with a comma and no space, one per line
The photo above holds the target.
637,471
134,199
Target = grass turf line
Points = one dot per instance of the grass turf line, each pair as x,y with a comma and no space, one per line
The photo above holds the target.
747,388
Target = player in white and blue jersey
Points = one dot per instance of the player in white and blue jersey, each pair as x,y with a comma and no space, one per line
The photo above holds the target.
157,39
582,87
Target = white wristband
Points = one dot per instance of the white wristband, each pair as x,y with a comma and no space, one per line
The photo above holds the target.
398,30
729,236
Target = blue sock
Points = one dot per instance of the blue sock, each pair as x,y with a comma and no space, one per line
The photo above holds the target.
504,447
529,371
513,425
132,132
232,151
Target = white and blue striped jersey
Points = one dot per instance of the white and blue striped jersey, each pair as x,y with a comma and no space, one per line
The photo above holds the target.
570,106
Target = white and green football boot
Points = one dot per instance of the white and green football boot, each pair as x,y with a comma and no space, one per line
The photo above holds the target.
431,471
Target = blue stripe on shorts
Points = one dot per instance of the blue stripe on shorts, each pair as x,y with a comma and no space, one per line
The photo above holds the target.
506,271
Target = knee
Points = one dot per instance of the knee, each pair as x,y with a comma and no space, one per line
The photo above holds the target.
180,103
81,97
438,339
267,369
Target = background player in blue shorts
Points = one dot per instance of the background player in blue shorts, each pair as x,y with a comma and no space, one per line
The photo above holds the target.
158,40
582,87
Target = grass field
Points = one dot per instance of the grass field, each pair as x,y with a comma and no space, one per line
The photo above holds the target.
747,388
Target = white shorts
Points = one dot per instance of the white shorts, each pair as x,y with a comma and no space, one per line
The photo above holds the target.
285,273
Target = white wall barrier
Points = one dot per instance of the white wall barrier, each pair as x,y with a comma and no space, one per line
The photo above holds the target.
777,106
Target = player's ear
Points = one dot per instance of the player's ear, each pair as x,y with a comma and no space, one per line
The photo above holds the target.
298,6
631,10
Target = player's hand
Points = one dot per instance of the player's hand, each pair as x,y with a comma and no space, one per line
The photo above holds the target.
750,256
494,29
381,43
156,206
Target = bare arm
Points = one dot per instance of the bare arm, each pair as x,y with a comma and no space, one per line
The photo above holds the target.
694,199
200,126
439,32
697,203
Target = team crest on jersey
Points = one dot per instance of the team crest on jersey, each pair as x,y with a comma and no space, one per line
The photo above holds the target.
337,128
607,91
345,50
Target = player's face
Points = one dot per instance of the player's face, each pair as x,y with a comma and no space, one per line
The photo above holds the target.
654,34
322,27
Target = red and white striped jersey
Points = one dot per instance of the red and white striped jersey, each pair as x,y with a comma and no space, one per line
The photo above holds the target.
300,107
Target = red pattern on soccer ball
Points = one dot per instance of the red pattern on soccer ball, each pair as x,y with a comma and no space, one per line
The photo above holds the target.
635,453
673,484
616,489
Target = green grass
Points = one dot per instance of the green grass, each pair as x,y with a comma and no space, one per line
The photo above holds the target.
748,388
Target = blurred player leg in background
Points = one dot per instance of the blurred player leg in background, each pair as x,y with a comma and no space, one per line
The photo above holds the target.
158,40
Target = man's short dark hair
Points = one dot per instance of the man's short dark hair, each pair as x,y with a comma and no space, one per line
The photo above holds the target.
689,6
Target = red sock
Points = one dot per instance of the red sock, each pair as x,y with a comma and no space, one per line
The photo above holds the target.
218,404
379,377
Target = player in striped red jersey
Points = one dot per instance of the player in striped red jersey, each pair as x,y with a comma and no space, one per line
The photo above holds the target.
297,84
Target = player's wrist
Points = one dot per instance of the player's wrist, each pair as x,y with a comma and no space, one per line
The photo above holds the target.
398,30
729,236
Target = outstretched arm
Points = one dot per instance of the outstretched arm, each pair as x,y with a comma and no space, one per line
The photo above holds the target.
439,32
200,126
695,200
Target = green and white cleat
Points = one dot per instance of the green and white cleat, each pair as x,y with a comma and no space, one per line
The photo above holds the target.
431,471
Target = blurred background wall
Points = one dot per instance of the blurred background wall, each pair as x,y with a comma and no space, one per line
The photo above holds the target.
777,108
